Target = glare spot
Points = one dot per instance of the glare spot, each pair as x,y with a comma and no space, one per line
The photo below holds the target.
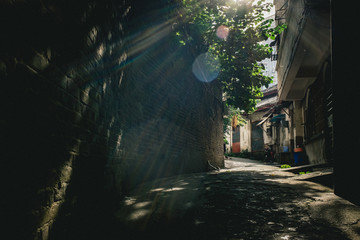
222,32
156,190
173,189
286,237
142,204
129,201
101,50
206,67
92,36
104,86
138,214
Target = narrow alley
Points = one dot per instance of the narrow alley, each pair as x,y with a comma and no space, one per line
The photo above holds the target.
246,200
116,116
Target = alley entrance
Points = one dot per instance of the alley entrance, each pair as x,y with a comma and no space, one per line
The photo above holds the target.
246,200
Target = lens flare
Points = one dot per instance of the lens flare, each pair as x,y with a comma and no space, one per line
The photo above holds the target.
222,32
206,67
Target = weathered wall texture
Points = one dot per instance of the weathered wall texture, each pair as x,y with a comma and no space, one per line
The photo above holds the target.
245,135
90,107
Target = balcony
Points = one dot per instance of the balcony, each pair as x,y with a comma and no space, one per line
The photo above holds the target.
304,46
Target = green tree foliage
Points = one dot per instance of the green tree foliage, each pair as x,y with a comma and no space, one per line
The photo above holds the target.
238,48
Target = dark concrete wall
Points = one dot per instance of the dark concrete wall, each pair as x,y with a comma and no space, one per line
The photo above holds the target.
346,86
95,98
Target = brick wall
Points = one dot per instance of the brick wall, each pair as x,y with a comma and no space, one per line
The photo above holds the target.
91,106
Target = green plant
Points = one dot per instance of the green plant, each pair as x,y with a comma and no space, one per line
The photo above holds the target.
285,166
300,173
232,154
245,154
242,154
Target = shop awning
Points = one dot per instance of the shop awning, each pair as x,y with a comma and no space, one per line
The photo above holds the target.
277,118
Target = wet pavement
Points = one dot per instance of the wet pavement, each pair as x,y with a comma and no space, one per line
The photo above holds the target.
246,200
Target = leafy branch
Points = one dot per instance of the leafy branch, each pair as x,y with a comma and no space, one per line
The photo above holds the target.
238,46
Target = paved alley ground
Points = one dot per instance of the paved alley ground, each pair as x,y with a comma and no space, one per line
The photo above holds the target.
246,200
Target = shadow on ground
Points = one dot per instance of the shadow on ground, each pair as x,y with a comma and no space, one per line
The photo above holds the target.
228,205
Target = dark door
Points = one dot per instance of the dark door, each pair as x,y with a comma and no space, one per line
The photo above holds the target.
257,138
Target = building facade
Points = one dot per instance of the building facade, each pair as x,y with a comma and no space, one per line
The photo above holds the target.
316,63
304,79
299,117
